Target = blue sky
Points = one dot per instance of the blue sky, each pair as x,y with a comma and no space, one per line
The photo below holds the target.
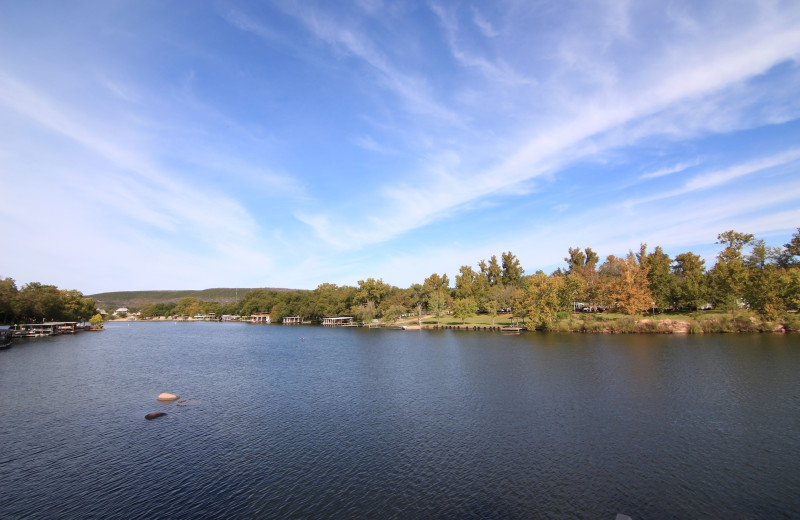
187,145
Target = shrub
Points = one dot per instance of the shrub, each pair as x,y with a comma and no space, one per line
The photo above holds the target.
743,324
592,327
791,324
650,327
624,325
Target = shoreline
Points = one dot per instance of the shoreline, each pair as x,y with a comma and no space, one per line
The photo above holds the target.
590,324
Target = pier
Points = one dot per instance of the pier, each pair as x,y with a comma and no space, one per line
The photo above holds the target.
338,321
50,328
259,317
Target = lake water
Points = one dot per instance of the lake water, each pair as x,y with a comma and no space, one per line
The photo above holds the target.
310,422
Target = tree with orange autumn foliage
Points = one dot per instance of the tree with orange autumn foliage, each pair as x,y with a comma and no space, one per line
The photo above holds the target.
630,289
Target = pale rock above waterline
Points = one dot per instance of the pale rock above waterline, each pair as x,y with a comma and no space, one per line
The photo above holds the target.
167,397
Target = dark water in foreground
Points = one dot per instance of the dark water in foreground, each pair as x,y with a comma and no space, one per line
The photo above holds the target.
359,423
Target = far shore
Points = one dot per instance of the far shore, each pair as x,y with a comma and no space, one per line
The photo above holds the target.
598,323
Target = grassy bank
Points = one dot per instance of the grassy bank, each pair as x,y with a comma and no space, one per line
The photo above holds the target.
703,322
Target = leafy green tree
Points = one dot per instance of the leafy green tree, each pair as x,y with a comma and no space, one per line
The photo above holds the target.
788,257
541,301
36,302
371,290
491,308
659,274
492,270
583,266
729,274
96,321
419,297
277,312
569,291
691,286
393,313
466,280
396,300
76,307
365,312
790,288
329,300
8,294
464,308
512,270
253,301
764,291
437,299
189,306
762,255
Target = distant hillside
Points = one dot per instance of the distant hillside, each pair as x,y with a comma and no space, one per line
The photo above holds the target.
114,300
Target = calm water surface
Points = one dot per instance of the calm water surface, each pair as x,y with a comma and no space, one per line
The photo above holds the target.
308,422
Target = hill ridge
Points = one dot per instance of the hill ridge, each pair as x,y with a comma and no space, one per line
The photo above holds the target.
118,299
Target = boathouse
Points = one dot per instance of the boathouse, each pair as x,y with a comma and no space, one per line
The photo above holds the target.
51,328
259,317
292,320
338,321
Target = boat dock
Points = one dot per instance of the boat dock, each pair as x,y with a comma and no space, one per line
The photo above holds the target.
50,328
338,321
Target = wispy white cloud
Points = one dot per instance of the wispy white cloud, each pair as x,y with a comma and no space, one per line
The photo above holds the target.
495,71
485,26
717,178
368,143
671,78
669,170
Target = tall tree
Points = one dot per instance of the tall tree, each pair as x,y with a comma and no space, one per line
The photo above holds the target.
492,270
764,291
541,300
631,288
662,283
419,297
583,265
8,293
729,274
438,297
691,289
761,255
466,280
512,270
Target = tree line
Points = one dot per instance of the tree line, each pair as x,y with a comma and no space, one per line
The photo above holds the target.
35,303
746,274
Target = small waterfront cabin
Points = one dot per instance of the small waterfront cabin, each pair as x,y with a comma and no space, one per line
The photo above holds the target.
338,321
292,320
259,317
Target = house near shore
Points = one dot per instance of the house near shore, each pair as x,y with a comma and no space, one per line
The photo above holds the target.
260,317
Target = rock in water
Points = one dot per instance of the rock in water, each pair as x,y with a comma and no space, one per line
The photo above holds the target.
154,415
167,397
